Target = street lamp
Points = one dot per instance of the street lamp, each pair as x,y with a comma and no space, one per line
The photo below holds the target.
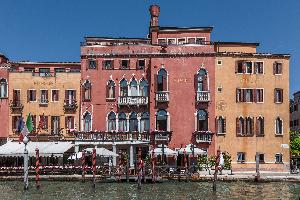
25,141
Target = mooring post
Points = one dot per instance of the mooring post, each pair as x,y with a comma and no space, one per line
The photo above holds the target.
83,166
37,168
216,170
140,166
153,166
25,141
94,167
257,176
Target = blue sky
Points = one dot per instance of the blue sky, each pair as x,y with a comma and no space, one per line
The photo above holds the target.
52,30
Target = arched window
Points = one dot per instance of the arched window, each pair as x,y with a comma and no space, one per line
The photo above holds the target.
133,87
202,120
145,123
221,125
279,126
111,121
249,125
3,88
240,126
87,93
144,88
162,120
133,122
202,80
123,88
122,126
87,120
162,80
260,126
110,90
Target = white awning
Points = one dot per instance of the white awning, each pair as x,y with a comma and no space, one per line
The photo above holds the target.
159,151
46,149
102,152
188,150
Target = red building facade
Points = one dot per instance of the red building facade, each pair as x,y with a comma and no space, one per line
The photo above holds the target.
149,90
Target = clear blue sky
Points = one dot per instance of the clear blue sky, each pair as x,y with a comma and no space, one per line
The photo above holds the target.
52,30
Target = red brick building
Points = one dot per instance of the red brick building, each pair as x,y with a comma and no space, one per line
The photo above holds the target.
151,90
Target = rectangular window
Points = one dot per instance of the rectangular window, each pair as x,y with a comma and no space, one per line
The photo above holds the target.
171,41
248,95
241,157
44,72
238,95
55,95
291,124
44,97
141,64
43,122
124,64
181,41
259,67
240,67
248,67
28,69
278,158
33,118
277,68
260,95
60,70
55,125
69,122
278,95
200,41
108,64
16,96
261,158
31,95
15,123
92,64
191,40
296,107
162,41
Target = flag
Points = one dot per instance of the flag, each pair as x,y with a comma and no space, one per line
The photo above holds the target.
20,124
29,123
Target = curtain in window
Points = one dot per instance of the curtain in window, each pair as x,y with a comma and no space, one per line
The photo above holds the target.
144,88
87,122
3,88
111,121
145,123
123,88
133,122
111,89
134,88
122,122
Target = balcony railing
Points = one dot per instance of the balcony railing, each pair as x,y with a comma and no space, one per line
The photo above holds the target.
133,100
162,136
112,136
203,136
16,105
43,102
70,105
203,96
162,96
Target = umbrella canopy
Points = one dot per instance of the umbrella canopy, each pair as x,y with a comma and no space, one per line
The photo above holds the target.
75,156
188,150
102,152
167,151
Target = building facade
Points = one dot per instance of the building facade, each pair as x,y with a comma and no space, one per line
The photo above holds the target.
294,112
252,99
149,91
50,92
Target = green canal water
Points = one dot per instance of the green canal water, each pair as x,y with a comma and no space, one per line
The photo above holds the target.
55,190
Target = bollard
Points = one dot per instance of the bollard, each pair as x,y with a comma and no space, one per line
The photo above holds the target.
37,168
25,141
83,166
140,167
94,167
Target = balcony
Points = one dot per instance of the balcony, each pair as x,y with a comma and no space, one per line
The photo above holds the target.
203,96
43,102
133,100
112,136
162,136
16,106
203,136
70,105
162,96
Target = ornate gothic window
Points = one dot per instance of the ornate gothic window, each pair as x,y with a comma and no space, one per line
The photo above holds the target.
162,120
110,89
122,123
87,122
202,120
133,122
162,80
3,88
145,123
123,88
144,88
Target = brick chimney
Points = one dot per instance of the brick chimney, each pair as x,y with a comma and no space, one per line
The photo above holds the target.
153,29
3,58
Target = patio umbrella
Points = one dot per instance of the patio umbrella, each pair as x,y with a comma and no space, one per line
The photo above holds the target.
189,151
102,152
75,156
167,151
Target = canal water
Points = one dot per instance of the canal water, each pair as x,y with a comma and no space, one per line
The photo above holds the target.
54,190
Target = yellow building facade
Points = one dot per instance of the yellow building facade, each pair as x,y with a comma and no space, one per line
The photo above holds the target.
252,106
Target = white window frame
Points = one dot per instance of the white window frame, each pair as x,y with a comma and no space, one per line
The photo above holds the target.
182,38
252,67
221,62
263,62
171,39
279,134
109,60
199,38
138,60
281,68
187,39
165,39
281,158
263,95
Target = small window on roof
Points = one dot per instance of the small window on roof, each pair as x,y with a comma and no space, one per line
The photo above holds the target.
200,40
191,40
171,41
162,41
181,41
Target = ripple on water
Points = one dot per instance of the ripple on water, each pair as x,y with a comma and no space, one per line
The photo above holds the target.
55,190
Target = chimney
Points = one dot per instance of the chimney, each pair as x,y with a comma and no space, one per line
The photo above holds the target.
153,29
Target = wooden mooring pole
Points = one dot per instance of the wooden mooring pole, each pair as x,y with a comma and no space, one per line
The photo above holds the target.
37,169
83,166
94,167
216,170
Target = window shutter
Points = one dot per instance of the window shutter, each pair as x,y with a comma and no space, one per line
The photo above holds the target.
237,126
112,64
281,95
66,123
236,66
252,125
120,62
74,97
155,83
257,126
28,95
280,68
137,64
245,125
224,124
52,125
275,95
107,91
128,64
216,125
255,93
274,68
47,94
244,67
243,95
103,64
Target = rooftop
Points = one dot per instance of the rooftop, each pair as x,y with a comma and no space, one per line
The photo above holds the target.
238,43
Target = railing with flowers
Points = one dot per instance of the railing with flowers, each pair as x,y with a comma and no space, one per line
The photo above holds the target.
203,136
